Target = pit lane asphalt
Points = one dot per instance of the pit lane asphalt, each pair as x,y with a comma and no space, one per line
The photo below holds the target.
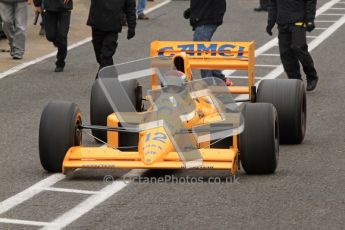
307,191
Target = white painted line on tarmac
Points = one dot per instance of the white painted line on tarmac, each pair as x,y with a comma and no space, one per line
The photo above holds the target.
333,14
258,52
327,33
326,7
78,191
259,65
91,202
29,192
137,74
75,45
266,47
23,222
157,6
325,21
37,60
242,77
270,55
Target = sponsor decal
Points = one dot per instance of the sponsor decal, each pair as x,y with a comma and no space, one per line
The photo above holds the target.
200,49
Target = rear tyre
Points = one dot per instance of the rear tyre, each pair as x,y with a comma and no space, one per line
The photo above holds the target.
57,133
289,98
100,108
259,142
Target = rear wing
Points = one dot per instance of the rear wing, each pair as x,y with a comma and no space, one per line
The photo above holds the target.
210,55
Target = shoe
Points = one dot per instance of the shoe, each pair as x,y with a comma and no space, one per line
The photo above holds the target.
312,83
2,35
42,31
142,16
17,57
59,69
259,9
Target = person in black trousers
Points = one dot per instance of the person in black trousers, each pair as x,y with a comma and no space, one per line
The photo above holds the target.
263,6
57,17
294,19
106,20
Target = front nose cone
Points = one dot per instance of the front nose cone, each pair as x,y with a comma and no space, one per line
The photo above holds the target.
154,144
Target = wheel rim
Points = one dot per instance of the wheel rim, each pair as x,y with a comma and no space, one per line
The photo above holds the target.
78,133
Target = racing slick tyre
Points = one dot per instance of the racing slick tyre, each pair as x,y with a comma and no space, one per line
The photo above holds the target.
100,107
57,133
259,142
289,98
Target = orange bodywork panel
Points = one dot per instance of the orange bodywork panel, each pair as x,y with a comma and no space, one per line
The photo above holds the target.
110,157
239,90
95,157
210,55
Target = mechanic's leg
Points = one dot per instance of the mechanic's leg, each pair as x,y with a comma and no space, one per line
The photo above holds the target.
300,47
42,31
108,49
287,56
42,19
7,16
97,42
20,22
141,6
64,19
205,33
51,22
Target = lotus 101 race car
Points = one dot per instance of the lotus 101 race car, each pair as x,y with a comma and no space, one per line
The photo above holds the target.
158,113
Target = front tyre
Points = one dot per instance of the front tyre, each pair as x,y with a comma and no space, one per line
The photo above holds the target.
259,142
58,132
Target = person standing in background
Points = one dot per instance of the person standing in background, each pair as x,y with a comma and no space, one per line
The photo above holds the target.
106,20
294,19
263,6
57,17
205,17
14,14
140,10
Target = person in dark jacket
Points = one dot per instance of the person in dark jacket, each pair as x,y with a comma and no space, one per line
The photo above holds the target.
294,18
205,17
106,20
57,17
263,6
